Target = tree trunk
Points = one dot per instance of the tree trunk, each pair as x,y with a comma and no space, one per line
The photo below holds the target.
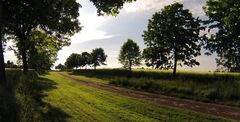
175,66
130,68
24,59
2,65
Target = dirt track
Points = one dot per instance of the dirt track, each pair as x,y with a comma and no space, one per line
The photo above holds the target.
208,108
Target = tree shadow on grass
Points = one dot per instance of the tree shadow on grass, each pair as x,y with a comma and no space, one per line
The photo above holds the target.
48,112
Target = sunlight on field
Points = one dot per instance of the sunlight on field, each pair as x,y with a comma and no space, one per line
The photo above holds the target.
83,103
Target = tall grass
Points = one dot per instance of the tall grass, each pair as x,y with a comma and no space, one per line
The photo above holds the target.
17,101
223,88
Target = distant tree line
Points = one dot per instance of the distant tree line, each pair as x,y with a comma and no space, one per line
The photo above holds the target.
96,58
10,64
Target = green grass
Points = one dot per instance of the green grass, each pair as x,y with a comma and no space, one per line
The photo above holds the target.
71,101
222,88
16,99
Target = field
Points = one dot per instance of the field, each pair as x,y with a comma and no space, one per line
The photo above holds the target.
222,88
53,97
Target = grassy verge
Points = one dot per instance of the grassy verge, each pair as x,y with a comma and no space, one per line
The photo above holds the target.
223,88
71,101
17,101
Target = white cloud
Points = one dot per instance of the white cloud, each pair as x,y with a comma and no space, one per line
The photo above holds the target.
91,23
147,5
195,6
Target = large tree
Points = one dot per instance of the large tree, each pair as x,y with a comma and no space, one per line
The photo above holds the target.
172,38
224,16
98,57
130,54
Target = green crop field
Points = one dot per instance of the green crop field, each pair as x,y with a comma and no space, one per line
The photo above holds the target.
222,88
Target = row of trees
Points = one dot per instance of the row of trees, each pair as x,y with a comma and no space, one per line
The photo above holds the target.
173,37
96,58
28,22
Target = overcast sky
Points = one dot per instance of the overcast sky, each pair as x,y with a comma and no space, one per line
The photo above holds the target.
110,32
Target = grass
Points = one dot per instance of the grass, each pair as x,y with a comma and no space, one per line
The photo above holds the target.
222,88
76,102
16,99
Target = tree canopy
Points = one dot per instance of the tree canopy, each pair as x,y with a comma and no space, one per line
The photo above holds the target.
224,16
98,57
57,18
73,61
109,7
87,59
172,38
130,54
60,67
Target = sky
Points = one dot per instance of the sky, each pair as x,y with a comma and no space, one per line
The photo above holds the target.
110,32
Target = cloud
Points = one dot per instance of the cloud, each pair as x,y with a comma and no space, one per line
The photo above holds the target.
195,6
147,5
91,23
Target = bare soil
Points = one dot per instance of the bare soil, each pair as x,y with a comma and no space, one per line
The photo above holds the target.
207,108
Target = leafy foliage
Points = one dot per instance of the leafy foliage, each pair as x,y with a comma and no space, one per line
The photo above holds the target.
42,51
98,57
10,64
109,6
172,37
224,16
130,54
57,18
73,61
60,67
87,58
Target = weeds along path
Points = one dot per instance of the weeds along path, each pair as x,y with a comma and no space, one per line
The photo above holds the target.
207,108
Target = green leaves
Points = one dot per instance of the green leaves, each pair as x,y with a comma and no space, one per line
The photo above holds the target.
130,54
98,57
224,16
172,36
109,7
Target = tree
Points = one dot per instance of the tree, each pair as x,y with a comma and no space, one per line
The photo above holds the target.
60,67
42,52
2,65
225,18
87,58
172,37
73,61
98,57
54,17
130,54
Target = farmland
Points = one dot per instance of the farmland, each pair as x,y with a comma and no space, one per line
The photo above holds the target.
53,97
222,88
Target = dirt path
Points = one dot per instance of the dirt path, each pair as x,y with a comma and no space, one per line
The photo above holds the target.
208,108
